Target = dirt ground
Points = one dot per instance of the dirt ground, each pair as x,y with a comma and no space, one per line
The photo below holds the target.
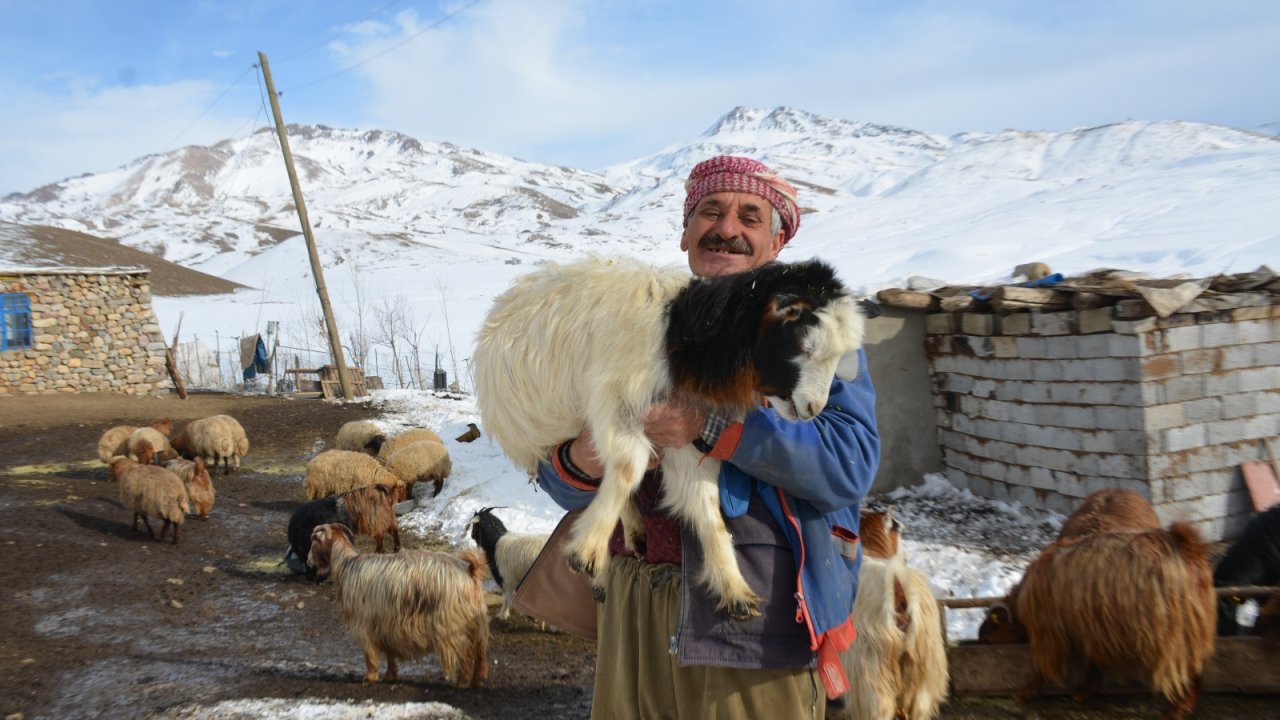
100,621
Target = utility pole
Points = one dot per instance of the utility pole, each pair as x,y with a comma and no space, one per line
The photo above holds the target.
335,343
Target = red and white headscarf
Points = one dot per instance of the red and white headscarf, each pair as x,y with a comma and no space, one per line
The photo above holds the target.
727,173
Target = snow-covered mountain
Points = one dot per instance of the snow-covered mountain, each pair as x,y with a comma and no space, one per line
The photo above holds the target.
434,222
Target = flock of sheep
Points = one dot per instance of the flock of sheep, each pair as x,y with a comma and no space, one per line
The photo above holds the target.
1115,590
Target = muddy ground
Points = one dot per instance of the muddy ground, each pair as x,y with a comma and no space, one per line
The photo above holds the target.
100,621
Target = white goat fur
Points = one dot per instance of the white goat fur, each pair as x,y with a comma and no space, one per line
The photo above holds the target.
895,672
409,604
335,471
515,555
585,345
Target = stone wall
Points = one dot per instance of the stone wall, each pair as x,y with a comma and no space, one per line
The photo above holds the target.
1047,407
93,331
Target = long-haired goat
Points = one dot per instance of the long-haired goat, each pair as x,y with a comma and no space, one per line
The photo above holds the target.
1122,600
1253,559
1106,510
510,555
151,491
596,343
898,665
407,605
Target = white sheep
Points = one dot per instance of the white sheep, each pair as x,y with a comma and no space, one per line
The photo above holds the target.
424,461
335,471
151,491
405,439
409,604
360,436
218,438
597,343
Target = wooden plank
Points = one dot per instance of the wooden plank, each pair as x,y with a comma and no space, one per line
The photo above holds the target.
909,299
1239,665
1261,481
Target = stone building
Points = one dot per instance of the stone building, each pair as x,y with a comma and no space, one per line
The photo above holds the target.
79,330
1044,395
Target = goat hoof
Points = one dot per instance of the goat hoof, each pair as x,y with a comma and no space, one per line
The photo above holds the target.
577,566
742,610
597,594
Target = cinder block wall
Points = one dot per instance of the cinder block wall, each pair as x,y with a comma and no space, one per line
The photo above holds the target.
93,330
1046,408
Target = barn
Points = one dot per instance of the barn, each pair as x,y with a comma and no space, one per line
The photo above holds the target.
78,330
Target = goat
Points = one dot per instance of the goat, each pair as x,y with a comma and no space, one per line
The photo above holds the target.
596,343
1121,599
1106,510
898,665
196,481
1253,559
407,605
510,555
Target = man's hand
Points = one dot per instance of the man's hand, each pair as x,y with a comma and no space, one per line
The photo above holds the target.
667,425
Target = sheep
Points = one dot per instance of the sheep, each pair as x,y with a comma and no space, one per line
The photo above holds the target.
150,490
114,442
196,481
510,555
407,605
335,471
361,436
598,342
424,461
215,438
1121,599
1253,559
368,510
897,667
405,439
156,434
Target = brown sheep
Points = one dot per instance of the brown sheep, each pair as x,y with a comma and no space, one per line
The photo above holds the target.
424,461
360,436
335,471
405,439
114,442
409,604
1122,600
198,484
151,491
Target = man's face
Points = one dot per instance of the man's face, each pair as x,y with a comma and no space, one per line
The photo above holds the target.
728,232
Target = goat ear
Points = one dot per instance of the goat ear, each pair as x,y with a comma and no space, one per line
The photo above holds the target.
789,306
847,368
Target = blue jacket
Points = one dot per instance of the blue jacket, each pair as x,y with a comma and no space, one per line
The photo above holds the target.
790,492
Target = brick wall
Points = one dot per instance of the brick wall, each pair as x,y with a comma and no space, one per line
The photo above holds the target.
1047,407
93,331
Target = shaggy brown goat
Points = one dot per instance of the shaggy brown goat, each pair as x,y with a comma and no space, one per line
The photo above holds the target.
409,604
1110,510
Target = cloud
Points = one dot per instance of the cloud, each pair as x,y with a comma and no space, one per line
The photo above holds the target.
52,136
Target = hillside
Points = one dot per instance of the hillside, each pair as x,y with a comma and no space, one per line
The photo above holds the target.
46,246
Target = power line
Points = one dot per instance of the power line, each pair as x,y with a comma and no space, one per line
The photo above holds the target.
208,108
338,34
375,56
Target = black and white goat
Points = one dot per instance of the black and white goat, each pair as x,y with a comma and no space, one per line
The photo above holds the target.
1253,559
596,343
510,555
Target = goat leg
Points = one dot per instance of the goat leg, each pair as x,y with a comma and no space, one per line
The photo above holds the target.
371,660
395,539
393,669
1089,688
1032,689
1185,704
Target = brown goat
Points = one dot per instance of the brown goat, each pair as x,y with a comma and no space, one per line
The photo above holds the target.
372,511
1107,510
1110,510
407,605
880,532
198,483
1121,600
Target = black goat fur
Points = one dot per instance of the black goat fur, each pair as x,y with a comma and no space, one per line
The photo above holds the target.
1253,559
306,518
486,531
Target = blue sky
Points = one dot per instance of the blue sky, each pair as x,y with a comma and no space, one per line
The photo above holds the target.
88,86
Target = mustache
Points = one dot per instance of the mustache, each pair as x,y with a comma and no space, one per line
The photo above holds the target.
713,241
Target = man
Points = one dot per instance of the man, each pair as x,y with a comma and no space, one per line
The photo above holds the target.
790,493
